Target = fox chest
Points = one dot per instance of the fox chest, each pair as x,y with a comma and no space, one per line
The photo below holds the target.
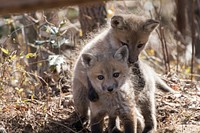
113,104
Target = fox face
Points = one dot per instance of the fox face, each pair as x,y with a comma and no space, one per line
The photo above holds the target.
107,72
132,31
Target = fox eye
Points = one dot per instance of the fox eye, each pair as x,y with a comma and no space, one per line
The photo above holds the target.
100,77
140,45
116,74
123,43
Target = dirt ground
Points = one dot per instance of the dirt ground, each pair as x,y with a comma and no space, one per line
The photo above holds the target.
176,113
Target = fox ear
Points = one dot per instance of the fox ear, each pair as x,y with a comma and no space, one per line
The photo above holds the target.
88,60
117,21
122,54
150,25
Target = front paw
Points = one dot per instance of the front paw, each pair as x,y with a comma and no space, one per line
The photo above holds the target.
116,130
93,96
148,129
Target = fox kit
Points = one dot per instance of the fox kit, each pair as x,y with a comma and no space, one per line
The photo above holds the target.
135,38
115,90
130,30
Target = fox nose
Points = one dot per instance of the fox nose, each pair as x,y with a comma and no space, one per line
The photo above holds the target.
133,59
110,89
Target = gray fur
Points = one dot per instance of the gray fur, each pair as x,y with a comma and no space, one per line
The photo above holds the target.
144,87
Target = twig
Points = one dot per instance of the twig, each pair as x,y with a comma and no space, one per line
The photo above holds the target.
166,49
177,56
14,6
164,56
193,41
41,48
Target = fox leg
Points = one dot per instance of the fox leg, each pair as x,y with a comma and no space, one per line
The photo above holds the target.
114,128
97,123
129,122
81,102
130,126
140,122
114,125
148,110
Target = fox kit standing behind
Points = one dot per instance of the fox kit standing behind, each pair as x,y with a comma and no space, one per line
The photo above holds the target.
115,89
130,30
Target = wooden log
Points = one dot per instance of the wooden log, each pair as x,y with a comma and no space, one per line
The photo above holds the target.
16,6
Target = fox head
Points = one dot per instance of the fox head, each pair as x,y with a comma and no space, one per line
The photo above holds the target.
133,31
107,72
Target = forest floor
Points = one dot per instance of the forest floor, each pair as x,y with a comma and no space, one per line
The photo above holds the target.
176,113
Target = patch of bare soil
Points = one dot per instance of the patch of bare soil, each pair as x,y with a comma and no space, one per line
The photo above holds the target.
176,113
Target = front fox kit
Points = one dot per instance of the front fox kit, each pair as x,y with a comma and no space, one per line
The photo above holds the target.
114,87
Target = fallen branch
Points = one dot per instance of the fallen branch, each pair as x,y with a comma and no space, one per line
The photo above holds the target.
13,6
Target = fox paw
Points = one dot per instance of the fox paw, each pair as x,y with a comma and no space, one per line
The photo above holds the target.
92,95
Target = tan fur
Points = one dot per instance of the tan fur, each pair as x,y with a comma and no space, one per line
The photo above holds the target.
130,29
120,100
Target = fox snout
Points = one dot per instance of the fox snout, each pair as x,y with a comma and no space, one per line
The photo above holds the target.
110,88
133,59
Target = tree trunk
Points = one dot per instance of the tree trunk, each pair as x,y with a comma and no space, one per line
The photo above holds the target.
92,16
181,17
197,27
31,36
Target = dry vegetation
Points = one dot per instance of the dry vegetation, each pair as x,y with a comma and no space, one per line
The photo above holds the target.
35,89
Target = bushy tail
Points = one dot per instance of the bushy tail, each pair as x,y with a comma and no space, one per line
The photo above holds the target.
160,84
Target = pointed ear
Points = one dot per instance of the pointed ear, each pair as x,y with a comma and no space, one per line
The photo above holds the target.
150,25
122,54
117,22
88,60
